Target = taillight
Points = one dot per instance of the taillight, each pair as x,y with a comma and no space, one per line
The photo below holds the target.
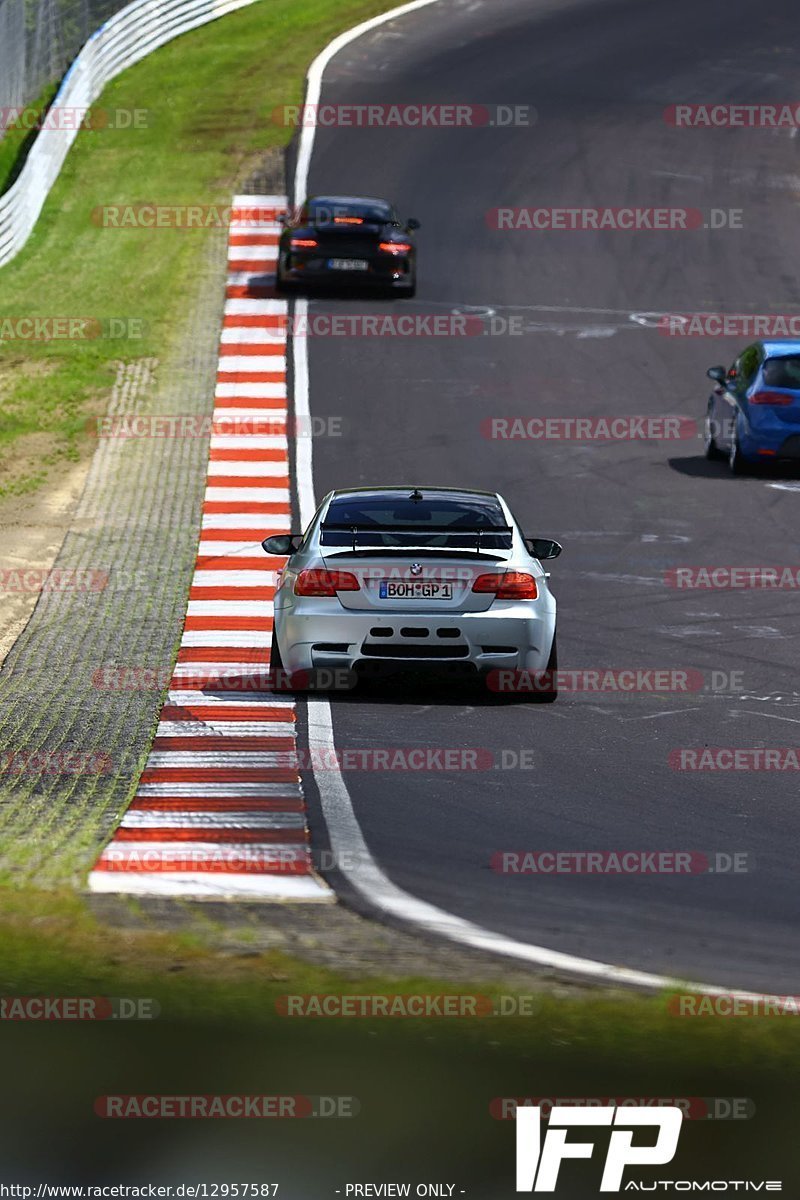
325,583
348,220
395,247
771,398
515,585
303,243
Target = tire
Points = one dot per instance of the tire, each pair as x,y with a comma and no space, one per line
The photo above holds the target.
710,447
282,285
408,292
736,460
276,668
549,696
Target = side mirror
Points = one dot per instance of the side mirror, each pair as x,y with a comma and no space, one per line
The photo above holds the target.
282,543
412,223
282,218
543,548
718,374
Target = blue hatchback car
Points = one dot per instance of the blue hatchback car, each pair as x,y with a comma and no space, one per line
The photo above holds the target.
754,411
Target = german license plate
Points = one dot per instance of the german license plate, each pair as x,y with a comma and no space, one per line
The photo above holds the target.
417,590
348,264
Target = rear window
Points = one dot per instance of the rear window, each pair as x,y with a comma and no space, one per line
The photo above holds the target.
397,520
328,212
782,372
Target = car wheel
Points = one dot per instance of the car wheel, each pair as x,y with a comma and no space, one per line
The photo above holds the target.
710,447
736,460
281,284
548,695
408,292
279,681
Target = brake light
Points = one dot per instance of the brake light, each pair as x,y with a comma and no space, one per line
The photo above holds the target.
304,243
514,585
348,220
325,583
395,247
771,398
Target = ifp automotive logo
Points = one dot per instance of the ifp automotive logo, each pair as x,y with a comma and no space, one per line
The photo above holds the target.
539,1159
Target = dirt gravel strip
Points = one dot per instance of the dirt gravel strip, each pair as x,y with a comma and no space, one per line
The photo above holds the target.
219,810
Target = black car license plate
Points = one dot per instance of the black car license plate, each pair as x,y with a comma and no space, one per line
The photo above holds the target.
348,264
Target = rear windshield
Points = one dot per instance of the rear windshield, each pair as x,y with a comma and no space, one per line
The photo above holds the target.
329,212
782,372
472,522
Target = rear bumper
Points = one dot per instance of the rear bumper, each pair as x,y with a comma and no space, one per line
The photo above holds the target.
766,449
347,279
518,636
766,441
381,273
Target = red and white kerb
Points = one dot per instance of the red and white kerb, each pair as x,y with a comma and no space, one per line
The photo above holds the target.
219,809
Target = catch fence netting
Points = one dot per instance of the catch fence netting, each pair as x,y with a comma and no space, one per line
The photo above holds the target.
38,41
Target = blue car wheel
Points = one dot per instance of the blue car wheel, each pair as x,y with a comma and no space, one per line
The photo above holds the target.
736,460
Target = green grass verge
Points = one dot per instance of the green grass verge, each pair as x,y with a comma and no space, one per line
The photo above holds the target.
52,942
425,1089
220,1030
206,101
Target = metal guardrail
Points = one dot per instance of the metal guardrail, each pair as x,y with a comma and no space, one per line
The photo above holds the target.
123,40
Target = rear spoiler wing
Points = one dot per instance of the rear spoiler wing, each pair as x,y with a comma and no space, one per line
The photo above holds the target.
468,535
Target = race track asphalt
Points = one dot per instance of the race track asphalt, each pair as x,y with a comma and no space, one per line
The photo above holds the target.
600,75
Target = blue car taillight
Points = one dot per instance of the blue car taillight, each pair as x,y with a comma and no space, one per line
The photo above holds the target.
774,398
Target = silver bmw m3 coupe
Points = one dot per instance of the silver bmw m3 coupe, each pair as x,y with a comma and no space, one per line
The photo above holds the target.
438,580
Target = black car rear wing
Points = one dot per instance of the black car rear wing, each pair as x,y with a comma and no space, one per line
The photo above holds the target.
477,537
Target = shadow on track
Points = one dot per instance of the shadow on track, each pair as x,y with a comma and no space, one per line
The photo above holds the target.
699,467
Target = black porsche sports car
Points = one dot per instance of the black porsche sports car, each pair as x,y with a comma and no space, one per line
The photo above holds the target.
337,240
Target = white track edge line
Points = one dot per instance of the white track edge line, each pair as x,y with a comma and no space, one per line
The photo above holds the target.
314,84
